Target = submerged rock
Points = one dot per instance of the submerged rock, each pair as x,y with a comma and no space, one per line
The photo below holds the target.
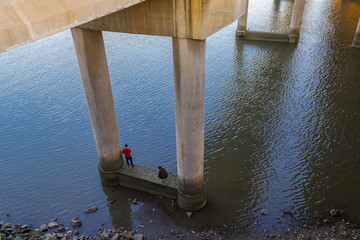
91,210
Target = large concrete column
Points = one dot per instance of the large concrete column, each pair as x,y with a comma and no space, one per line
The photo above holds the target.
241,26
296,19
189,79
356,41
90,52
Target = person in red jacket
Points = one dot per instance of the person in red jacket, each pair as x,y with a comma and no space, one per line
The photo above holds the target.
128,157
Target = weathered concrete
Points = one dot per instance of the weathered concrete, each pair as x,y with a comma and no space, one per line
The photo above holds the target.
356,41
90,52
242,22
142,179
296,19
291,37
24,21
195,19
265,36
189,78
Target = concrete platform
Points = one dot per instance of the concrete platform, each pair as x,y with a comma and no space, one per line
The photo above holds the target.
265,36
143,179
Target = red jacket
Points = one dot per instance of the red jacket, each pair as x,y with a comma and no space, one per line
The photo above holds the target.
127,152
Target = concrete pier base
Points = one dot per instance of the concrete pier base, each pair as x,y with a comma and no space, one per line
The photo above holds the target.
189,86
356,41
264,36
143,179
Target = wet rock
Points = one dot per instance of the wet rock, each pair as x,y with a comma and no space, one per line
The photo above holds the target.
139,237
336,212
60,229
7,225
287,212
277,217
141,226
263,212
91,210
76,222
326,220
54,219
188,214
135,201
127,235
68,234
53,224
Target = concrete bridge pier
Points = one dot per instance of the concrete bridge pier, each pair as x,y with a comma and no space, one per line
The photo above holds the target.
356,41
189,85
90,52
296,19
242,21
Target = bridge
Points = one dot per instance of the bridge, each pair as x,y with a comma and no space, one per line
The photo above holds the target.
188,22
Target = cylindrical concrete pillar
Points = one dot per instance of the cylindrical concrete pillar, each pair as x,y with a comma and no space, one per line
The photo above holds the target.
296,19
90,52
356,41
242,21
189,79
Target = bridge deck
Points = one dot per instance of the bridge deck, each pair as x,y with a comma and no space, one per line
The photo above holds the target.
24,21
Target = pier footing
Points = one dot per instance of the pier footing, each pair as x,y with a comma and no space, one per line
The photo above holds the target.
141,178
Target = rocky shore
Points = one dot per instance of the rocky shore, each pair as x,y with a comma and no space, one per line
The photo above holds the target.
332,227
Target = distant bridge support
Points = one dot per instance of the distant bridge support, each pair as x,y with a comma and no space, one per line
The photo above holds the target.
90,52
356,41
241,26
291,37
189,85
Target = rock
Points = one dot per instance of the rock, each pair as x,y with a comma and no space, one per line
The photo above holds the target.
151,221
53,224
286,211
263,212
7,225
112,201
139,236
135,201
76,222
141,226
277,217
189,214
60,229
54,219
115,237
326,220
91,210
127,235
68,234
336,212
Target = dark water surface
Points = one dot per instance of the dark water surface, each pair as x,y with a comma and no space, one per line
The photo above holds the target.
282,123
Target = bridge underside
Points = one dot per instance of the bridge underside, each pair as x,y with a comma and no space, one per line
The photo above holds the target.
24,21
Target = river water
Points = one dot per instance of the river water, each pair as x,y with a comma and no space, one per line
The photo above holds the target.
282,123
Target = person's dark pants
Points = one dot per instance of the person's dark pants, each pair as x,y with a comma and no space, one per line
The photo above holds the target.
127,160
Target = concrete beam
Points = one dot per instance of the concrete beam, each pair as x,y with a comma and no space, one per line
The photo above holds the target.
194,19
24,21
